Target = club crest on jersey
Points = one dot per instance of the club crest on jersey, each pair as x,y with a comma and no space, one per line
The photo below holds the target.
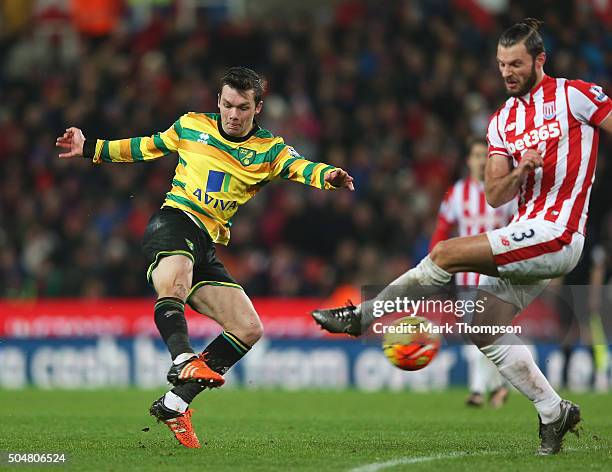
246,156
549,110
292,152
203,138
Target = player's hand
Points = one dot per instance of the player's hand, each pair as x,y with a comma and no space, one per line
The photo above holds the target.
72,141
340,179
530,161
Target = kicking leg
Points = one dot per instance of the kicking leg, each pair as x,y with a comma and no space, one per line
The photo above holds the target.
233,310
466,254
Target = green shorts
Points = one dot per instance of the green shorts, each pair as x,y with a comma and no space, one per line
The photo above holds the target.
169,232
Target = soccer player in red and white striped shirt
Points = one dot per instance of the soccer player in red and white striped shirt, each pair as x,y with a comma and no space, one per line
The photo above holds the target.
465,212
543,148
465,209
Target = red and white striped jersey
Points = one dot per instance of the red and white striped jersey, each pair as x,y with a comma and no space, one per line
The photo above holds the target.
560,118
465,208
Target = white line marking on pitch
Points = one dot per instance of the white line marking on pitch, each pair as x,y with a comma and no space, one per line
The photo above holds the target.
375,467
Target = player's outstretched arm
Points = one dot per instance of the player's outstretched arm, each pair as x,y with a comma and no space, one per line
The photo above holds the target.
502,183
122,150
288,164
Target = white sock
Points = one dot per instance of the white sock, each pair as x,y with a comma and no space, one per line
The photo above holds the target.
174,402
183,357
477,380
516,364
419,281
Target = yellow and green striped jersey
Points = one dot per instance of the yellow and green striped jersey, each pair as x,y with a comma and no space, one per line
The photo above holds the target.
215,173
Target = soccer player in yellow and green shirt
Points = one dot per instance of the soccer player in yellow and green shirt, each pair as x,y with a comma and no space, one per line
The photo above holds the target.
224,160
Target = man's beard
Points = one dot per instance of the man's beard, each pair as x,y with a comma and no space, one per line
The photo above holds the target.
529,83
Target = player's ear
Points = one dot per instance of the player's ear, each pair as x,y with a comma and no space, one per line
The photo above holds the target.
540,59
258,107
219,100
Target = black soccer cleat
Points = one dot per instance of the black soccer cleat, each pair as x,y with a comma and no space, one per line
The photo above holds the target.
339,320
551,434
161,411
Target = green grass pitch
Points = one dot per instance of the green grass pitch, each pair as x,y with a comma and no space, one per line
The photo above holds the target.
308,430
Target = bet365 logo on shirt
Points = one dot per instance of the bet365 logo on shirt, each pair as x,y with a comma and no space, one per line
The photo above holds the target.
532,138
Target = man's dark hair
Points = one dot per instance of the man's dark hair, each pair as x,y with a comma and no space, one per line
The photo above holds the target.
243,79
525,31
472,141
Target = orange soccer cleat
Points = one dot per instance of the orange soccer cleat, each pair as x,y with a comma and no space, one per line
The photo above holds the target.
179,423
195,370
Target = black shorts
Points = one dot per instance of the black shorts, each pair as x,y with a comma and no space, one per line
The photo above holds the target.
170,231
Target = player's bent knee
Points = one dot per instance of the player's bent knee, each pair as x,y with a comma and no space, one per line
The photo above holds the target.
250,329
244,324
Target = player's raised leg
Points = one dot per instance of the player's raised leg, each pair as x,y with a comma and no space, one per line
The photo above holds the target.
232,309
504,250
464,254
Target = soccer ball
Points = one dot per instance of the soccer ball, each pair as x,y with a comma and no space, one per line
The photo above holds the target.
410,344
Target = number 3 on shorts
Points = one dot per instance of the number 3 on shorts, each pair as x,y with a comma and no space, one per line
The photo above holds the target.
529,234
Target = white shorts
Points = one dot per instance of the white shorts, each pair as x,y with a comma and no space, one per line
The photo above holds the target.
528,254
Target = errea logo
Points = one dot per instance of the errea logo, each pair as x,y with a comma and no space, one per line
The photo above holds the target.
189,244
535,136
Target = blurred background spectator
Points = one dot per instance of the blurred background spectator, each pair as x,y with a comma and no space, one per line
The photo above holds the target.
389,90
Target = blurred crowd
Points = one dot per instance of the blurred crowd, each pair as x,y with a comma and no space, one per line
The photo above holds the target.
389,90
